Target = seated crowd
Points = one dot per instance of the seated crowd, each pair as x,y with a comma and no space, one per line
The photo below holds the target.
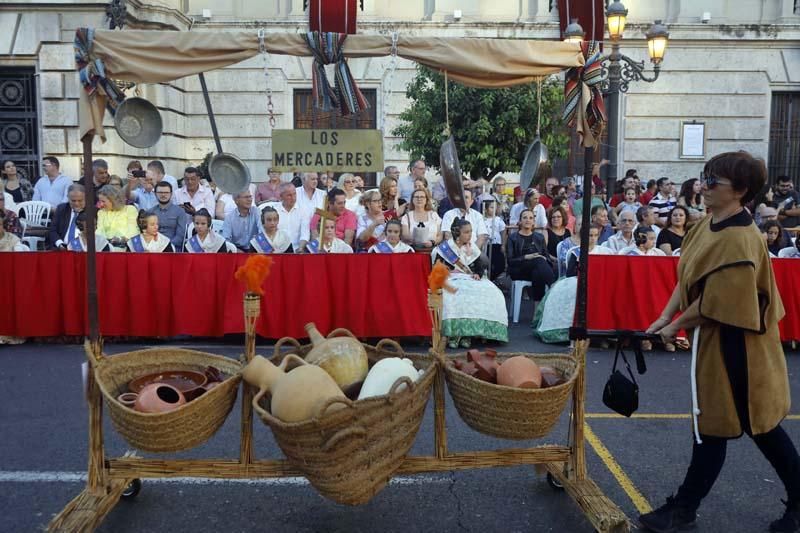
531,238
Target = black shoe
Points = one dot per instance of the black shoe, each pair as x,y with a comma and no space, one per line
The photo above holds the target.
789,522
670,517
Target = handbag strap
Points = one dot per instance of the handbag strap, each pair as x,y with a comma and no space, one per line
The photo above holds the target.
620,352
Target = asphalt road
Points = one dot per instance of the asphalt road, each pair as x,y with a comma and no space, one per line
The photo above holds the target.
44,448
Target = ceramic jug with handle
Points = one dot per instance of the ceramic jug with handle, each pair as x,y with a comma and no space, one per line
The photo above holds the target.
297,395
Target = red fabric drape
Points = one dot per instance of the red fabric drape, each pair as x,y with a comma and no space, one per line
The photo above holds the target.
150,295
338,16
630,292
582,10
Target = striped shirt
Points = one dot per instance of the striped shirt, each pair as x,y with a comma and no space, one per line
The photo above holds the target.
662,205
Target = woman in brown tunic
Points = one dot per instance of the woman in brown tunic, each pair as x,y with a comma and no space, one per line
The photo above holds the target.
728,299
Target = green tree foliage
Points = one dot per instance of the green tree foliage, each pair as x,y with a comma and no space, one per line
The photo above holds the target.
492,127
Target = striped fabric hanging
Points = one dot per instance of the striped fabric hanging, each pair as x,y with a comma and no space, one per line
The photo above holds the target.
326,48
589,77
92,71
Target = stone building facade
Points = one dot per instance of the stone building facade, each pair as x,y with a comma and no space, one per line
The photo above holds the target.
733,66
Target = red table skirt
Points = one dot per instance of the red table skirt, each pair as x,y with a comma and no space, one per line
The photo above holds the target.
629,292
151,295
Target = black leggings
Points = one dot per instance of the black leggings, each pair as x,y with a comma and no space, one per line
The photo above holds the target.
775,445
538,271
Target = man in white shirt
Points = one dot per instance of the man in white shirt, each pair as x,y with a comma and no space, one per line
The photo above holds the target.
52,187
624,236
193,196
155,169
309,197
405,184
292,219
480,233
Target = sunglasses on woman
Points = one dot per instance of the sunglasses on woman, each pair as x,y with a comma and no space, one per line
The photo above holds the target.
711,181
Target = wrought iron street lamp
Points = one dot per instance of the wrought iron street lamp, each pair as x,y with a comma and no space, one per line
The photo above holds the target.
620,70
573,33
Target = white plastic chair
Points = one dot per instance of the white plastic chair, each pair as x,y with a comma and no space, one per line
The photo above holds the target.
676,252
37,214
517,287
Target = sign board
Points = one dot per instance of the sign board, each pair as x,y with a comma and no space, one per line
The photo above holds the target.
693,140
335,150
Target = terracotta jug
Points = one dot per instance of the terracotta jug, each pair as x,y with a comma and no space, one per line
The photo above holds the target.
158,398
297,395
519,372
485,363
344,358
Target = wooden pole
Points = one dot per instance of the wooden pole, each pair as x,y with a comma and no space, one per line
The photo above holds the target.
96,482
440,426
577,463
252,310
91,260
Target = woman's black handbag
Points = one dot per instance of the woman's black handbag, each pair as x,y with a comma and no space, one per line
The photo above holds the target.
621,394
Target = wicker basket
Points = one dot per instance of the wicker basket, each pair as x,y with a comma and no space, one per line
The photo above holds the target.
509,412
350,454
181,429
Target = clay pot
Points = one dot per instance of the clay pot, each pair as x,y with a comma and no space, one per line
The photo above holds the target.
485,363
159,398
344,358
519,372
550,377
468,368
384,374
297,395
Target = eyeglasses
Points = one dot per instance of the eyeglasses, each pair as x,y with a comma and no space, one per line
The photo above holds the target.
711,181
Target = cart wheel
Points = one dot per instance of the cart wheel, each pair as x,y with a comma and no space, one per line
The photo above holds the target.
132,490
553,482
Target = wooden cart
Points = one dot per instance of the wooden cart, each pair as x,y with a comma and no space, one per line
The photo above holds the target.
110,479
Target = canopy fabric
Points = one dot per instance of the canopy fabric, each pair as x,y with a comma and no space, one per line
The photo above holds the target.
151,56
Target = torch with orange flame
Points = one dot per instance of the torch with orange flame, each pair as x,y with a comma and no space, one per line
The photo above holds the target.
254,272
437,279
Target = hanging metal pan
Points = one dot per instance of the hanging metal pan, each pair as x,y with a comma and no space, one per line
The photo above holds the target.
451,173
228,171
535,164
138,122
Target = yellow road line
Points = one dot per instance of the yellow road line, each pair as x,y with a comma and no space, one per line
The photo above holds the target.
641,503
656,416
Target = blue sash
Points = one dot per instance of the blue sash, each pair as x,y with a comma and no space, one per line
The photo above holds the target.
449,255
194,242
263,243
136,244
384,248
312,247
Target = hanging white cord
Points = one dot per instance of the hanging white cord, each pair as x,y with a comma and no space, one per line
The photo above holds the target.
538,106
387,92
387,83
695,405
446,107
262,47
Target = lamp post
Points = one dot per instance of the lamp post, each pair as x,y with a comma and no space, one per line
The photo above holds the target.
620,70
